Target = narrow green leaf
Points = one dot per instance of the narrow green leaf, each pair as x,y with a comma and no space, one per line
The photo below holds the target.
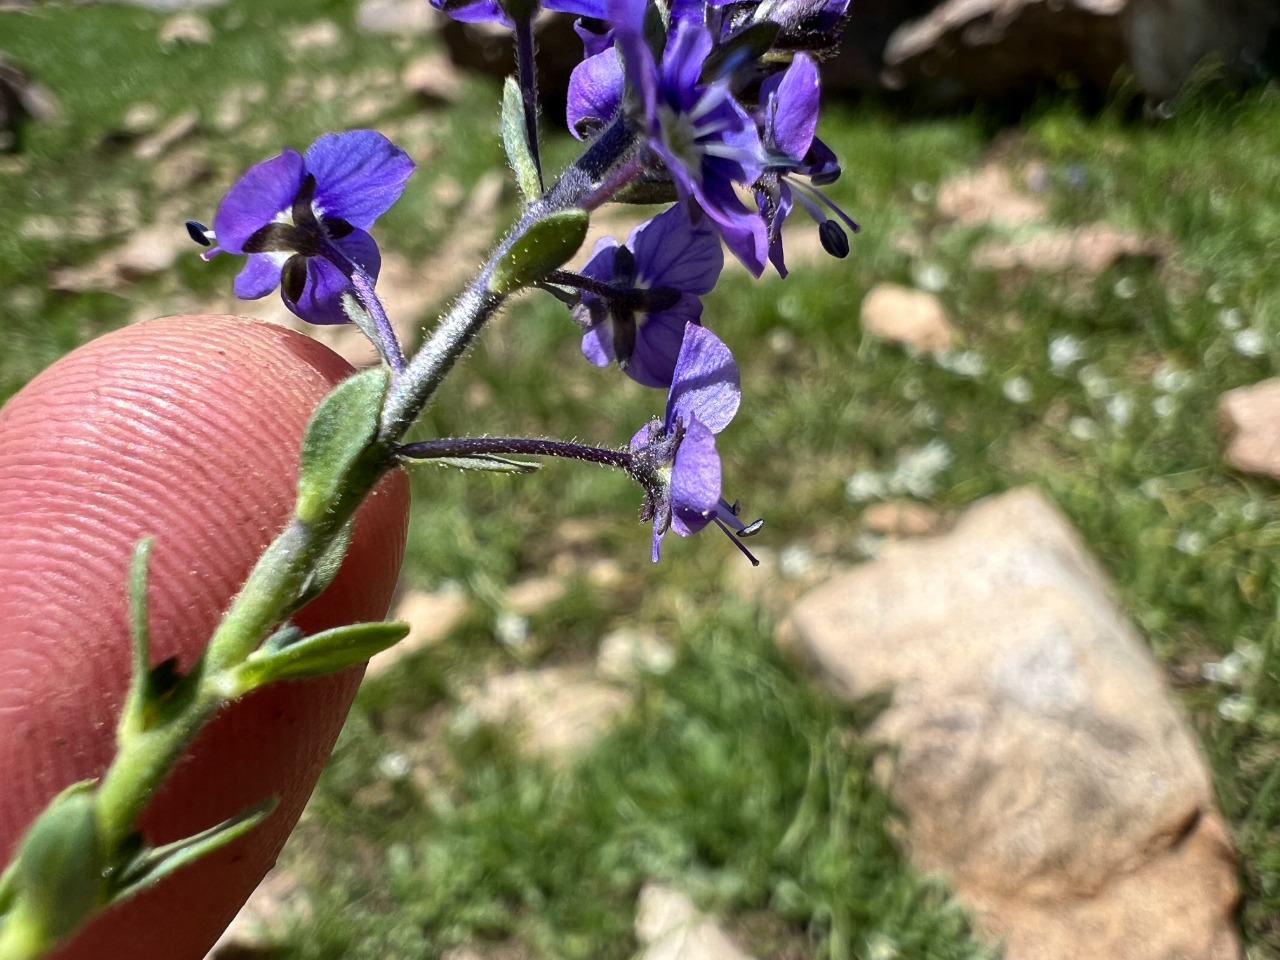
546,245
153,864
487,462
133,716
339,433
322,653
515,140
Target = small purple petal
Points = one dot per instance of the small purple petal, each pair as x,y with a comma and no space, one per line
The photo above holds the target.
359,175
261,275
592,42
268,188
476,11
695,480
658,341
595,90
597,344
362,250
682,61
794,113
596,9
705,385
671,251
321,300
743,229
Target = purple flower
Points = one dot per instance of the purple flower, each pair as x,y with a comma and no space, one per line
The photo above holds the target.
492,11
702,135
302,219
789,108
658,275
675,458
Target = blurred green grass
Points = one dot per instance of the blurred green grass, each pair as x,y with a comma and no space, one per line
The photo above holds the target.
731,774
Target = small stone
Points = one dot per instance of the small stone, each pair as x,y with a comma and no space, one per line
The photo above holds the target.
1250,419
670,927
912,318
1043,768
140,118
178,170
627,654
179,128
1090,249
322,36
434,78
559,712
532,596
430,615
151,250
901,518
988,196
401,18
185,27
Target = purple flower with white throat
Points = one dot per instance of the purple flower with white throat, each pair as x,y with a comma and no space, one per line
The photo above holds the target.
703,137
675,458
302,219
789,105
656,278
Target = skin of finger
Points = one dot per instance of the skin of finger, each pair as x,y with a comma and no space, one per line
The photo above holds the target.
187,429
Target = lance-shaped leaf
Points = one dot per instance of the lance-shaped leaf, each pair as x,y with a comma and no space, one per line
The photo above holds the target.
515,140
546,245
153,864
133,716
326,568
338,435
322,653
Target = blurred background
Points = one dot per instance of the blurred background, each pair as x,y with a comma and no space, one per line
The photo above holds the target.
1065,283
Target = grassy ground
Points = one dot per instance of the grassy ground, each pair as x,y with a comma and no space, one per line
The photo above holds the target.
731,775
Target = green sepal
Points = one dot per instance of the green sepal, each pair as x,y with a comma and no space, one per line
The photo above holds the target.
338,435
515,140
746,46
152,864
546,245
57,880
317,655
487,462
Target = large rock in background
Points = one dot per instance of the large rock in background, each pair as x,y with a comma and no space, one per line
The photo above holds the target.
1042,767
943,53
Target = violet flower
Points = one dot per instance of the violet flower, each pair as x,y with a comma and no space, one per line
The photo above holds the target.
675,458
303,220
700,133
492,11
789,105
658,276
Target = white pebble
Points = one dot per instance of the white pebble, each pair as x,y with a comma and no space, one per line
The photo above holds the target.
1017,390
1064,352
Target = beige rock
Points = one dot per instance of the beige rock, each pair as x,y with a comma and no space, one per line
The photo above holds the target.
1042,767
430,615
149,251
433,77
670,927
909,317
321,36
1250,418
177,129
626,654
534,594
559,712
1092,249
185,27
402,18
901,518
988,195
